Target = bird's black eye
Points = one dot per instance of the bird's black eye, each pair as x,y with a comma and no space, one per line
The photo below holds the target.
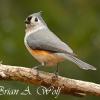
36,19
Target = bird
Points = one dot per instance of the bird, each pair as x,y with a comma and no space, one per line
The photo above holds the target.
46,47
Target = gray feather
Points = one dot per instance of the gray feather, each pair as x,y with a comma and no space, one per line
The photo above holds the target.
80,63
44,39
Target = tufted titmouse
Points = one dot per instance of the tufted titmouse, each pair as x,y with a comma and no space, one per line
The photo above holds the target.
45,46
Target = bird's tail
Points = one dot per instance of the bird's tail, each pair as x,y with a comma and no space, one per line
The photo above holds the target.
79,62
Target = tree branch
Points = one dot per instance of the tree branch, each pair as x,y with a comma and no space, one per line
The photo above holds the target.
67,85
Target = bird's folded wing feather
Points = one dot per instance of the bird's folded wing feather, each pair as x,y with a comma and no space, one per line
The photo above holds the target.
44,39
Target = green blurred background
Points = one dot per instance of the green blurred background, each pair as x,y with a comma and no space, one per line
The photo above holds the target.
76,22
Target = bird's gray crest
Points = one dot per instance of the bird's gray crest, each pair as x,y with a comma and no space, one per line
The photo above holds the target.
37,14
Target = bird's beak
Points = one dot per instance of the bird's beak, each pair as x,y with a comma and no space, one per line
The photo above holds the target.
26,22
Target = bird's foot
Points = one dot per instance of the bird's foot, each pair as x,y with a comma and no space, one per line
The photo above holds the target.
37,68
55,77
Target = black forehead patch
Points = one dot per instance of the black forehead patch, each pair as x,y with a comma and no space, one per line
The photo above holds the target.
29,18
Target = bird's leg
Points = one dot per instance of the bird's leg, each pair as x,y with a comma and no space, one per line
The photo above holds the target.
37,67
56,72
40,65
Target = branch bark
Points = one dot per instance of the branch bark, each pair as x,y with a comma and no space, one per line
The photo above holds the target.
67,85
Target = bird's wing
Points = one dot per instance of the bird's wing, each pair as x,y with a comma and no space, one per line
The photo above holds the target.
44,39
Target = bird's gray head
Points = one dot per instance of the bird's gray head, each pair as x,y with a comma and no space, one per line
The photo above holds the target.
34,21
